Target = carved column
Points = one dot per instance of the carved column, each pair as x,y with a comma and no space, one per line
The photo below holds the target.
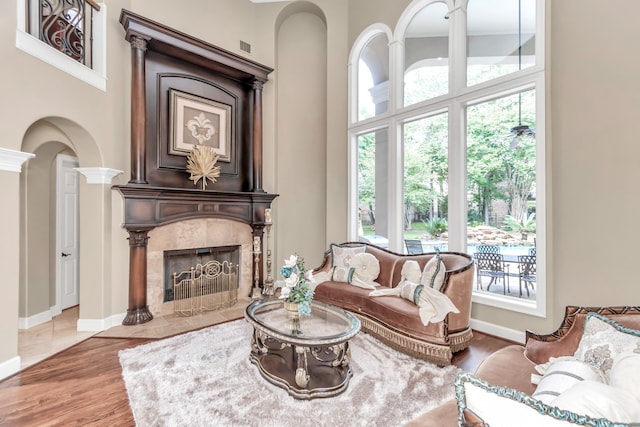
138,111
257,135
257,276
138,311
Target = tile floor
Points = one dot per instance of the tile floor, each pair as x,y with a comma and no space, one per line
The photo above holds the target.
38,343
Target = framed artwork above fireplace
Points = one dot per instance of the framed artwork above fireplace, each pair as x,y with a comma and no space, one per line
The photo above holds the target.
197,120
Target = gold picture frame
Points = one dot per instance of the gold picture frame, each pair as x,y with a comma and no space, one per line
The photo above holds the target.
196,120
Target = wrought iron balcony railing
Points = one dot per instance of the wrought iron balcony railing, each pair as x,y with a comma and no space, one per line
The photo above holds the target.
65,25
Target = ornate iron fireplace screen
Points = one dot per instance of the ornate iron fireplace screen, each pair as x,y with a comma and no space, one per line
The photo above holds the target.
205,287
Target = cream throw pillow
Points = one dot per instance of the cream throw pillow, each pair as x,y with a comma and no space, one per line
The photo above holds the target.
433,305
603,339
410,272
506,407
599,400
321,276
625,373
341,256
433,273
561,374
366,269
363,270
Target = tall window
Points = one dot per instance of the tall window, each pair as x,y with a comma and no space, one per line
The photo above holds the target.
447,136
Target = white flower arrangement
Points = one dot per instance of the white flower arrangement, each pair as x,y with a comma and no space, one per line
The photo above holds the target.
296,287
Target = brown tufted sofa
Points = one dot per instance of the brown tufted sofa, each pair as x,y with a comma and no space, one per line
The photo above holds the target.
395,320
513,365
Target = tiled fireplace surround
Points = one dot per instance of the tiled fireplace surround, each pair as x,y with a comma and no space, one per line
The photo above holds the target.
195,233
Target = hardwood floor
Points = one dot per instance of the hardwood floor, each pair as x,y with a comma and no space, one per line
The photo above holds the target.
83,386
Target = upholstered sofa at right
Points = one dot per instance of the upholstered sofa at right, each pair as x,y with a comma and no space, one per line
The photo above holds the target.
504,379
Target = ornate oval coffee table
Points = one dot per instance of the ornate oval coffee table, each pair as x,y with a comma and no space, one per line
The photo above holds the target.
306,355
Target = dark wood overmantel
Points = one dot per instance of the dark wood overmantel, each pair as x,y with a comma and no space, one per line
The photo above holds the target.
163,61
189,49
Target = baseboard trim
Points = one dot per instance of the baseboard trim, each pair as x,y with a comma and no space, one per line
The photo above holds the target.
498,331
9,367
35,320
99,325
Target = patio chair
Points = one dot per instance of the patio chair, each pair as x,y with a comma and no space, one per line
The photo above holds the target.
414,246
532,251
488,249
526,272
492,265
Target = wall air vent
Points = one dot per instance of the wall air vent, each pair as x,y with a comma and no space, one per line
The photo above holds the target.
244,46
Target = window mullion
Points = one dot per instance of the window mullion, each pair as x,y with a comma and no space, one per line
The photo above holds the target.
457,129
395,173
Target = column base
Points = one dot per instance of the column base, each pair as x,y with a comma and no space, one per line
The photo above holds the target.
137,316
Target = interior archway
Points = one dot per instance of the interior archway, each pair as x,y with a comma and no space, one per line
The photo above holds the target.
39,297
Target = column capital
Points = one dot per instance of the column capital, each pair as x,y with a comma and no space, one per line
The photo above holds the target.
99,175
138,42
12,160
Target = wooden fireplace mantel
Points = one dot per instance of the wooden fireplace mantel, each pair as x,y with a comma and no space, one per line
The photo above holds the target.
166,61
149,207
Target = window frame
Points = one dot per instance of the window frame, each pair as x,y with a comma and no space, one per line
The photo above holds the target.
454,103
96,76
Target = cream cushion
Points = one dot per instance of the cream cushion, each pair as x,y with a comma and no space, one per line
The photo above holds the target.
321,276
603,339
410,272
561,374
599,400
433,305
433,273
505,407
341,257
365,269
625,373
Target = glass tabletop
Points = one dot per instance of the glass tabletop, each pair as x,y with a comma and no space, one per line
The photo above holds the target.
326,323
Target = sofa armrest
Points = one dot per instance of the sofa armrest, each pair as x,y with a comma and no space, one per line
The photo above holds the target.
565,340
459,288
471,419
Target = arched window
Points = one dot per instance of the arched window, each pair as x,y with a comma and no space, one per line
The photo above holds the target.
426,54
447,137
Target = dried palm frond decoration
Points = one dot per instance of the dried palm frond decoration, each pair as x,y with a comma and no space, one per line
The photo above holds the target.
201,164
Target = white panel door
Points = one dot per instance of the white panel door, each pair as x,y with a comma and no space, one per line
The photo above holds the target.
68,233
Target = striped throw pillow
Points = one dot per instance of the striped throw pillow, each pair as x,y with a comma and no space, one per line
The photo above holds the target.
561,374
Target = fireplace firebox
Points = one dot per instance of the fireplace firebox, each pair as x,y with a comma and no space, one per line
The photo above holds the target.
179,263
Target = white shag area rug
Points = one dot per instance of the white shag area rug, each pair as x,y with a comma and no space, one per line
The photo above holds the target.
205,378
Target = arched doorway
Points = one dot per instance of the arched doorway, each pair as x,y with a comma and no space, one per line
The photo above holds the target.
50,238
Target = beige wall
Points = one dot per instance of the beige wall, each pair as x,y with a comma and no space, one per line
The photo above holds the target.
10,267
301,134
592,101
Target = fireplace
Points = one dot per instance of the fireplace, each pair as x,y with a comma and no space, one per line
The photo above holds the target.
163,210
